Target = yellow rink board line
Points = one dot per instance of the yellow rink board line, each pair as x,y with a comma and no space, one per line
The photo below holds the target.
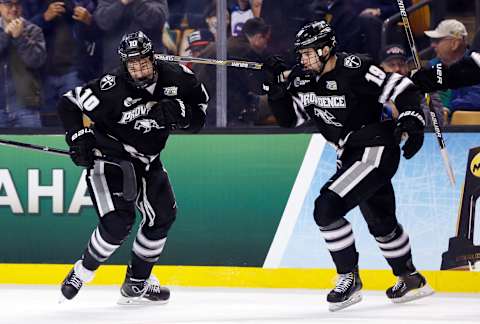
48,274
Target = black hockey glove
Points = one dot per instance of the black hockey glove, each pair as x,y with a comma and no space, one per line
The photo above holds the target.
82,143
274,66
412,123
172,114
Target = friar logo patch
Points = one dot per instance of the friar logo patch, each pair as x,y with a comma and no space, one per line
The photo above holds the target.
107,82
352,62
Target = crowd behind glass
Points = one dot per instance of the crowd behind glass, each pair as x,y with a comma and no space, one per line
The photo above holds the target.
48,47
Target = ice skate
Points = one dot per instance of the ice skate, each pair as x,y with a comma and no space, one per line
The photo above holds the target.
346,291
409,287
74,281
142,291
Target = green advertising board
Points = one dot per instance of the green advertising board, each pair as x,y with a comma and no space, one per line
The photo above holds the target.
231,191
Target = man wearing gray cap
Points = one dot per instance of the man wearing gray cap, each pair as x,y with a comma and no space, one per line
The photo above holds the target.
450,44
449,40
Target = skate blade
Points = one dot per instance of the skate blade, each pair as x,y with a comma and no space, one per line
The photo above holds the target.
139,301
414,295
355,298
62,299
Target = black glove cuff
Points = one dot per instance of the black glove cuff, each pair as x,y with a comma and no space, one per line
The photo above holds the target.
80,133
412,114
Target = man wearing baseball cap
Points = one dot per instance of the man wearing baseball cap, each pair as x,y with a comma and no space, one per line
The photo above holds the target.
198,40
393,58
449,41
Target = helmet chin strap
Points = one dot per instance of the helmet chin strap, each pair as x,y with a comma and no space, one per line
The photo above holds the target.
145,83
323,59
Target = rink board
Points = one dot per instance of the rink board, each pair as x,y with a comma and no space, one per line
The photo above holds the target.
245,202
244,277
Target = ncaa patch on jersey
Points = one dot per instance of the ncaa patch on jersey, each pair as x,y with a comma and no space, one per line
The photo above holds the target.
352,62
331,85
170,91
107,82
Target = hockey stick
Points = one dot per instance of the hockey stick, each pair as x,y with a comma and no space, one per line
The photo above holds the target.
433,115
229,63
129,180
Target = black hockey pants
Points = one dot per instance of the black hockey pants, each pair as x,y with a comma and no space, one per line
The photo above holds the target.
155,201
363,179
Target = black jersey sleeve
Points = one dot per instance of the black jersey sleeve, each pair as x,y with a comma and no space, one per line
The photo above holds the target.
465,72
196,97
78,101
390,87
70,116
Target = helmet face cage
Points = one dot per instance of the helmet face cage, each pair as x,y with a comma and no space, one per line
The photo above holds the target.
316,35
136,46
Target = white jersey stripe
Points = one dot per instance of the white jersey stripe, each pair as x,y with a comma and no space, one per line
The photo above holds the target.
400,88
392,81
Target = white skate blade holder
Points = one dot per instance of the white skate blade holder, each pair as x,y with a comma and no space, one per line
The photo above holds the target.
139,301
414,295
355,298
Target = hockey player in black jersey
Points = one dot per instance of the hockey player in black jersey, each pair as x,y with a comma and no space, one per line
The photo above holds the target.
342,95
133,110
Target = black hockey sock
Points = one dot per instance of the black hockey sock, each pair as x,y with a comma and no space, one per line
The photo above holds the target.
99,249
341,245
140,269
395,247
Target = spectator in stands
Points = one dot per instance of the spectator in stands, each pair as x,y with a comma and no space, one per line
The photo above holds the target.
177,10
119,17
198,40
69,35
243,84
209,23
394,59
450,45
358,23
286,17
256,6
382,9
22,53
195,13
242,11
211,18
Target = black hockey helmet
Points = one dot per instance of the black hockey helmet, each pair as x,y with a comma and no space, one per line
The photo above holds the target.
316,35
133,46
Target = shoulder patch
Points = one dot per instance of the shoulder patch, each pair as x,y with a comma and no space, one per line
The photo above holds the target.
107,82
298,82
352,62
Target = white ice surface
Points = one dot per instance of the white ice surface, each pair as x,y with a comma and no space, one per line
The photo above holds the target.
94,304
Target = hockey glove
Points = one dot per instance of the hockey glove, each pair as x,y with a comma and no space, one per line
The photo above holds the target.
82,143
412,123
274,67
172,114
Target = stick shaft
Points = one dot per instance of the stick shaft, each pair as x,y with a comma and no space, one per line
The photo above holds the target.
34,147
199,60
433,114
